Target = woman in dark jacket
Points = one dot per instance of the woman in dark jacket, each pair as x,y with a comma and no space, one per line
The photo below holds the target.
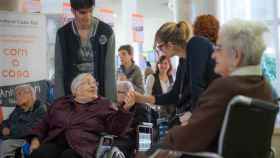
195,70
73,124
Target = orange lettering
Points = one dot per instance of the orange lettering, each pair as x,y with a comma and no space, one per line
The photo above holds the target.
19,52
15,74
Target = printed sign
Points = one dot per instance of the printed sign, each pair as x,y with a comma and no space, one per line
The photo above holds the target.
106,15
138,27
23,52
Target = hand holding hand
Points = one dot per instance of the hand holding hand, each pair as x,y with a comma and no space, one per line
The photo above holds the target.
129,100
184,119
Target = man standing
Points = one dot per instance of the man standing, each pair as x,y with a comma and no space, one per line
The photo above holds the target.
85,45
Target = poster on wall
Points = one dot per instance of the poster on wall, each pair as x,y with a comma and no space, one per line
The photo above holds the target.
23,52
106,15
67,13
138,28
32,6
51,6
7,93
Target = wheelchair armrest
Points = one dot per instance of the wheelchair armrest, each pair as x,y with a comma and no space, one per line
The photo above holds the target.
180,154
272,153
107,134
200,155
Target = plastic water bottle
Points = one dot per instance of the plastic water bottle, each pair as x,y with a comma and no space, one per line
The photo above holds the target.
163,127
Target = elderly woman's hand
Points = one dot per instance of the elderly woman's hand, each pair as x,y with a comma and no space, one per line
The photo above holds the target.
129,100
184,119
6,131
138,97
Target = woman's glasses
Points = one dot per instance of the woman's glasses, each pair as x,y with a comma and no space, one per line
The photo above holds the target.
159,46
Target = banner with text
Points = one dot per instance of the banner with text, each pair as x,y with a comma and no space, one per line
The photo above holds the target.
106,15
23,52
8,98
138,27
32,6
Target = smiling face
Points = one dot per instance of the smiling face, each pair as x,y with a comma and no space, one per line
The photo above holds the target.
87,88
163,66
225,59
83,17
23,96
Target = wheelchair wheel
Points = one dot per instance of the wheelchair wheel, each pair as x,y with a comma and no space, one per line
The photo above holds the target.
115,153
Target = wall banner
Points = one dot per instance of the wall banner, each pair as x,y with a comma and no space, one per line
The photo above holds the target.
138,27
23,52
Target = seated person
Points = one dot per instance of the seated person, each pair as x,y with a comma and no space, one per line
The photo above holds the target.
72,126
142,113
238,54
27,113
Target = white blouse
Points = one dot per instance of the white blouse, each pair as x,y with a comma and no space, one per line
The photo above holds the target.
165,85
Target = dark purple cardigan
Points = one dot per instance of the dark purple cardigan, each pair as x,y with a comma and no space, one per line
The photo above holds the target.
81,123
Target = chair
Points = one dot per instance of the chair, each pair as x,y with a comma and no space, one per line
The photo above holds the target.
108,149
247,128
246,131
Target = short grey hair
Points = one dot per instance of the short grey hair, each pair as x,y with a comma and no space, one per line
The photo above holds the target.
124,85
77,81
246,36
27,87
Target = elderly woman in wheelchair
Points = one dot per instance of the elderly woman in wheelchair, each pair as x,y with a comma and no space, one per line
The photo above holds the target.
238,55
73,124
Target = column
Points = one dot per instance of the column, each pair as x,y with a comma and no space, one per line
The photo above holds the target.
182,9
128,7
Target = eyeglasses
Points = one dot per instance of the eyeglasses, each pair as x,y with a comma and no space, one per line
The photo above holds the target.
90,83
22,92
218,47
159,46
122,92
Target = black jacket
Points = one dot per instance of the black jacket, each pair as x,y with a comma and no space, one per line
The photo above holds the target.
193,75
66,55
21,122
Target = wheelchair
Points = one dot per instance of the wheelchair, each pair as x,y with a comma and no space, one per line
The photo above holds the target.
106,147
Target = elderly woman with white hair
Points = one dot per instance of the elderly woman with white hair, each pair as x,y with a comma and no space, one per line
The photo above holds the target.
28,112
142,113
238,54
72,127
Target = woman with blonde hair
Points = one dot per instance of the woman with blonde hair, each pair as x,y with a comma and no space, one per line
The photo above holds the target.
238,53
195,70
